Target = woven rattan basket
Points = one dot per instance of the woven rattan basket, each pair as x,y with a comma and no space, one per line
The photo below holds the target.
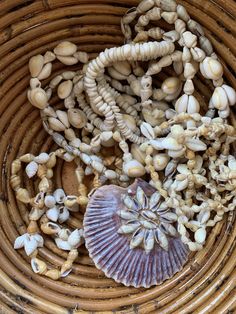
27,27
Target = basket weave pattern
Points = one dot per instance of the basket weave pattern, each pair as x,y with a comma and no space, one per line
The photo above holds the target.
207,282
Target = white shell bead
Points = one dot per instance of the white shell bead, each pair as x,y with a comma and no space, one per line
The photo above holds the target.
122,67
74,238
59,195
49,201
170,85
77,118
231,94
64,89
42,158
63,245
38,98
181,104
193,105
67,60
196,145
160,161
211,68
219,98
53,214
200,235
147,130
31,169
62,116
133,168
190,40
56,125
46,71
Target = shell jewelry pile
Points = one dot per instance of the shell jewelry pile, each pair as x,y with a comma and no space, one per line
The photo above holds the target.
162,163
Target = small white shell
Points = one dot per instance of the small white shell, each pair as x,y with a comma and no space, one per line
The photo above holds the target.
63,117
110,174
64,214
65,48
196,145
49,57
182,13
198,54
172,36
160,161
64,89
231,94
49,201
219,99
190,40
193,105
75,238
176,153
81,56
19,242
59,196
77,118
170,85
38,98
224,113
63,245
42,158
68,157
30,245
211,68
46,72
147,130
169,17
200,235
171,143
31,169
64,234
67,60
35,65
122,67
188,87
53,214
56,124
133,168
116,74
189,71
181,104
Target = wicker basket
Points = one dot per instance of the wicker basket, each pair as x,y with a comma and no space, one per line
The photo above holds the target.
207,282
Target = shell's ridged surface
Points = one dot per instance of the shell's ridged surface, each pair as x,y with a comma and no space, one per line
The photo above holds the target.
110,251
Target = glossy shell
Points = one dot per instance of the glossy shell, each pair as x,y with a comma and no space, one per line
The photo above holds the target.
111,252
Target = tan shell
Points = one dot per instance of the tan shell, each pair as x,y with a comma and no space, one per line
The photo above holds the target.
38,98
67,60
64,89
77,118
35,65
137,153
65,48
46,71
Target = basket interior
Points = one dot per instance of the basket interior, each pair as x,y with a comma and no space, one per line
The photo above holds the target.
206,284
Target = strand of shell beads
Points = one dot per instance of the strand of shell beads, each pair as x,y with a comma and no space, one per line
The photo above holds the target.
49,210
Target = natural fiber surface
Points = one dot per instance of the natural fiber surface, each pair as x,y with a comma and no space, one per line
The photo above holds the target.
208,281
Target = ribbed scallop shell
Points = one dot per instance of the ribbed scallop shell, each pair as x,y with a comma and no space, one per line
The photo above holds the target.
110,251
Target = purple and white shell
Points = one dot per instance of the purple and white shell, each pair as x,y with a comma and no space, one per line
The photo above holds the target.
130,235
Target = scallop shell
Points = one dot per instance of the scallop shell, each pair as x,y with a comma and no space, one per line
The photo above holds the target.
111,251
